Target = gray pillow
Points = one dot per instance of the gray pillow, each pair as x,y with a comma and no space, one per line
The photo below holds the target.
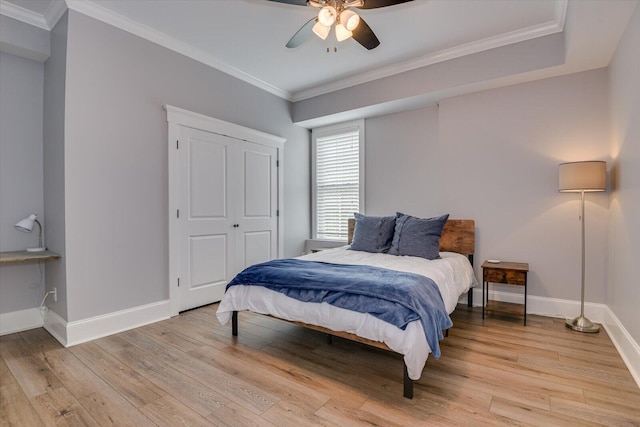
373,233
418,237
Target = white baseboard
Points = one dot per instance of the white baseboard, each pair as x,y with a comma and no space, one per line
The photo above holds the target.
21,320
629,349
553,307
56,326
544,306
77,332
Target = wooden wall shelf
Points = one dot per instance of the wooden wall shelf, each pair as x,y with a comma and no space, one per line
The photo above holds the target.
24,256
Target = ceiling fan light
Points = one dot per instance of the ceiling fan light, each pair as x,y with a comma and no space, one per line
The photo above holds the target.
349,19
327,16
342,33
321,31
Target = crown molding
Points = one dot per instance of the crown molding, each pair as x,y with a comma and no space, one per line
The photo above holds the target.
100,13
87,7
544,29
23,15
54,12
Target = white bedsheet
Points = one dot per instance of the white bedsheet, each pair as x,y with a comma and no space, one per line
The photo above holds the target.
452,274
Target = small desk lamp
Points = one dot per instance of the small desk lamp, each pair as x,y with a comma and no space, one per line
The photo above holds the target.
582,177
26,225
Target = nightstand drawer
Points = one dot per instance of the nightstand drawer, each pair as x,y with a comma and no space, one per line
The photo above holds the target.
500,275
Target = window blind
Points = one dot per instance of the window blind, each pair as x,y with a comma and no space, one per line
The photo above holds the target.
337,183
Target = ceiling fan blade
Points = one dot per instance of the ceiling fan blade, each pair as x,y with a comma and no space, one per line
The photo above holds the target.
302,35
364,35
374,4
293,2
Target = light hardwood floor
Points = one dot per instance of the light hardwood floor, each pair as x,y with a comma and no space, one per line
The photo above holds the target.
189,371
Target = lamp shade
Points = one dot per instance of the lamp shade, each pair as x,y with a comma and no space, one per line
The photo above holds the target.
582,176
349,19
321,31
327,16
342,33
26,225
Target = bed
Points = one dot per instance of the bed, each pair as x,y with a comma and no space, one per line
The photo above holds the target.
452,273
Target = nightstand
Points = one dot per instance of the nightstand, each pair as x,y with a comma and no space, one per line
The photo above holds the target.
506,273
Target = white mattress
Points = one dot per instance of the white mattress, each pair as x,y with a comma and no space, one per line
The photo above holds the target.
452,274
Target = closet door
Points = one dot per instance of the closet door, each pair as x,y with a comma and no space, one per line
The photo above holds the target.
207,200
224,184
257,204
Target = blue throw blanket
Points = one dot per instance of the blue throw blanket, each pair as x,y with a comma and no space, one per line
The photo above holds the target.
393,296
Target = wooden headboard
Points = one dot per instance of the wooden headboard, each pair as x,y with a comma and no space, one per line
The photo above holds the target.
458,235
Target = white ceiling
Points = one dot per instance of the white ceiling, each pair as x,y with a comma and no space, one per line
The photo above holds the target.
246,38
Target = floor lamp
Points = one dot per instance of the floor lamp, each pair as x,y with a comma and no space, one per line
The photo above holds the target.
582,177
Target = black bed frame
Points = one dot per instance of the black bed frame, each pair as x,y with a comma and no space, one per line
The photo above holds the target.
408,382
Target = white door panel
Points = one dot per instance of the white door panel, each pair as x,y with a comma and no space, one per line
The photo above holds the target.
257,247
206,231
208,255
207,179
257,209
257,185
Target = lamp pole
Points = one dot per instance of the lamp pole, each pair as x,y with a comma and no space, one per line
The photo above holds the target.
582,324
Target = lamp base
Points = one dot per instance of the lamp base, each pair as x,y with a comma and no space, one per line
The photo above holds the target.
582,324
36,249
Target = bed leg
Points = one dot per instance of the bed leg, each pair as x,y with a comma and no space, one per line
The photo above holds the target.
329,339
470,293
234,324
446,333
408,384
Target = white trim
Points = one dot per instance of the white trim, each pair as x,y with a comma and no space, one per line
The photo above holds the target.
21,320
628,349
57,8
24,15
174,202
560,14
103,14
535,31
543,306
56,326
54,12
177,117
93,328
188,118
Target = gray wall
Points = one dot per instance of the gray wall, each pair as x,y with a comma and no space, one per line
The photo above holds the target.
21,82
24,40
402,167
624,248
54,174
116,160
493,156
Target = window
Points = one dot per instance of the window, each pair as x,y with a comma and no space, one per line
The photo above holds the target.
337,178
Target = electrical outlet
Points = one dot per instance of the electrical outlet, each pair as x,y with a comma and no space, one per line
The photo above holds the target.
55,294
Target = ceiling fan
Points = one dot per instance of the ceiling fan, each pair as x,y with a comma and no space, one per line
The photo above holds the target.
338,13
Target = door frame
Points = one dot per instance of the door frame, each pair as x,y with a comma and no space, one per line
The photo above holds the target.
177,117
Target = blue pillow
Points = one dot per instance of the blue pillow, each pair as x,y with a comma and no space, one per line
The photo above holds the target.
373,233
418,237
